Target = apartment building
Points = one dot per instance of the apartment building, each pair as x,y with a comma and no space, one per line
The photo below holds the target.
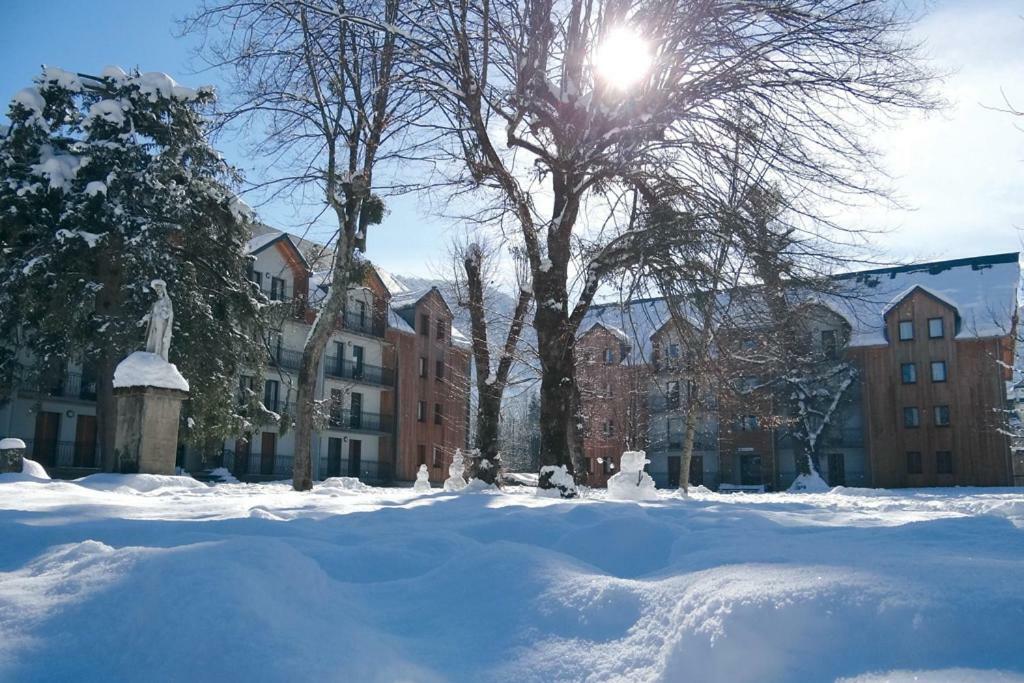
932,345
371,379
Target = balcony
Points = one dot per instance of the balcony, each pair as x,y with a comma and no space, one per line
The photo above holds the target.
363,323
71,385
286,359
359,372
347,421
365,470
271,466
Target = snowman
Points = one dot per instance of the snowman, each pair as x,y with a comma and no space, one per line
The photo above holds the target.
455,480
632,483
422,484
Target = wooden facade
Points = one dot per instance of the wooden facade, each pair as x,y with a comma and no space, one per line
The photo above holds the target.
972,393
432,392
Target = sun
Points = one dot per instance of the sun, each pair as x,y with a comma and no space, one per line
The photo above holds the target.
623,58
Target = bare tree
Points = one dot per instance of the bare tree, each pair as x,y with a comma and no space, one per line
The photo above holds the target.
476,262
317,87
532,118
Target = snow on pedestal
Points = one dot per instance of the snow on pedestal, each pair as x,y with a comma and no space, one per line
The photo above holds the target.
456,481
632,483
12,455
422,484
145,369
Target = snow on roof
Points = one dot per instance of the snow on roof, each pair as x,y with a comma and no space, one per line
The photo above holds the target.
393,284
260,241
396,321
983,290
459,339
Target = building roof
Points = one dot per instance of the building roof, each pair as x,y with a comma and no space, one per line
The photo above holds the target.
983,290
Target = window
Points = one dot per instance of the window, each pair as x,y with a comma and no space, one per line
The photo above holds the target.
609,390
441,330
276,289
256,276
938,371
423,366
673,350
437,456
908,372
941,416
829,347
421,411
608,428
748,423
906,330
935,330
437,413
421,455
609,356
911,417
943,462
672,394
271,390
748,344
439,369
425,325
914,462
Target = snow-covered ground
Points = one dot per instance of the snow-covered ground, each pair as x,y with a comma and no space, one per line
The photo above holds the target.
117,578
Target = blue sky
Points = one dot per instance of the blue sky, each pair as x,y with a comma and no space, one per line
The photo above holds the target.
958,173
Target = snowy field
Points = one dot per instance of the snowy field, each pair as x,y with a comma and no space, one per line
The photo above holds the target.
139,578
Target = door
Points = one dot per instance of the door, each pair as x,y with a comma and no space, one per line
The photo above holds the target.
268,451
356,414
696,470
44,447
333,457
85,441
674,468
836,469
357,362
750,469
339,359
355,456
243,447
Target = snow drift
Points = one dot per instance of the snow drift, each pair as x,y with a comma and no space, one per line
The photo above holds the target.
257,582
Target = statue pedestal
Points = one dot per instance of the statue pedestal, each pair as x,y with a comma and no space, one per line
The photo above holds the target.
12,454
149,392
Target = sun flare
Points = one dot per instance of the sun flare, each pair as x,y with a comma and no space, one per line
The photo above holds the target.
623,58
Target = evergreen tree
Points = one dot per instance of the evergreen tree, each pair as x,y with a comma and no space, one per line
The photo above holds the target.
110,182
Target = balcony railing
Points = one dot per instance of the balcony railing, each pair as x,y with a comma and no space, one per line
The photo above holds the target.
365,323
63,453
365,470
359,372
258,464
286,359
69,385
348,421
701,442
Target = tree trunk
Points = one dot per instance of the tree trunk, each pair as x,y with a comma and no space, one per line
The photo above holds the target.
309,369
688,439
559,402
106,411
488,414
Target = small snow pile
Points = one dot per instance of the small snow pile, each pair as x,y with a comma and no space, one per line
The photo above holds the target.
479,485
33,469
521,478
144,369
224,476
342,484
631,482
561,482
138,483
456,480
422,484
809,483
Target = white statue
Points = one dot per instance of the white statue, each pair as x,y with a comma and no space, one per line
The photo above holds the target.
422,484
632,483
161,320
456,481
